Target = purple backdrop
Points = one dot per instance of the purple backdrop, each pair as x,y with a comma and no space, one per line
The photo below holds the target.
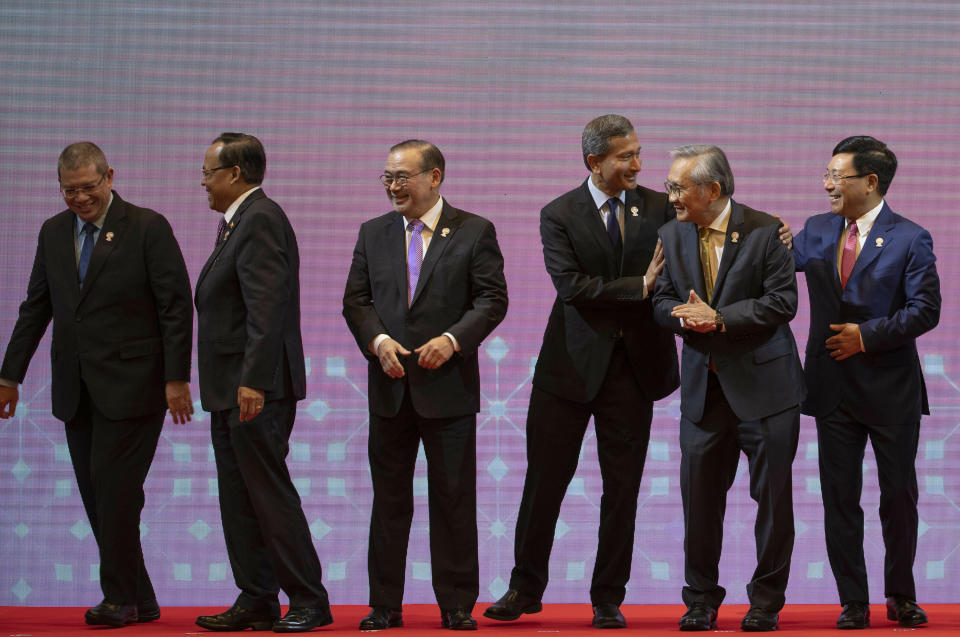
504,88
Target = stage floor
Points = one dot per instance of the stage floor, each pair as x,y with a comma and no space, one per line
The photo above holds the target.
571,620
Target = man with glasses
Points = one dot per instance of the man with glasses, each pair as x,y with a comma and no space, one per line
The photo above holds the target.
872,279
425,287
729,290
111,277
252,374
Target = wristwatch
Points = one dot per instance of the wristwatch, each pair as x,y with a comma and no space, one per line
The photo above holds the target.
718,319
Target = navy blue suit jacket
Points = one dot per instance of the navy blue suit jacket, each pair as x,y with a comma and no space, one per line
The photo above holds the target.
893,294
756,292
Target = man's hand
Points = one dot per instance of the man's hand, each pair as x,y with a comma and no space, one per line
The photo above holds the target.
435,352
846,342
696,315
786,235
655,267
8,401
250,401
178,401
387,354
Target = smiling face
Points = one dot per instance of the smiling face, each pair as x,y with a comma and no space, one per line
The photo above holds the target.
86,191
421,190
693,202
618,169
850,196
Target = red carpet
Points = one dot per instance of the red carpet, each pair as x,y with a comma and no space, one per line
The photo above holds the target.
572,620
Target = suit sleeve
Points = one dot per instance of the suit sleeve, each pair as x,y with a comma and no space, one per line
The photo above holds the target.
35,314
777,304
170,285
358,308
574,286
800,250
263,264
921,311
665,298
489,291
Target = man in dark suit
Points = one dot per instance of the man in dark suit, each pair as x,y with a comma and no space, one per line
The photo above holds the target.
741,381
111,277
874,289
602,356
252,373
425,288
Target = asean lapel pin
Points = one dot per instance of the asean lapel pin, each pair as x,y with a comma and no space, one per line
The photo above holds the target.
879,242
734,237
445,232
634,210
109,237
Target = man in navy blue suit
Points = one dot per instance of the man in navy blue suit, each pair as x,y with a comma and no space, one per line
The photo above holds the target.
873,285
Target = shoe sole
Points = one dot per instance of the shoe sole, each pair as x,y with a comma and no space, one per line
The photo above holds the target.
892,617
697,627
368,629
280,628
224,629
527,610
103,622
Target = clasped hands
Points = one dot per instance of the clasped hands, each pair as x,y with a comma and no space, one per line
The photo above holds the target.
432,355
696,314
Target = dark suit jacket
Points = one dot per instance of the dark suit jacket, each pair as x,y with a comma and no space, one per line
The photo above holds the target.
600,300
461,290
756,292
248,309
893,293
126,332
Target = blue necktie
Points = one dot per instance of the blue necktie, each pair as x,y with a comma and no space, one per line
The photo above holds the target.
85,250
613,226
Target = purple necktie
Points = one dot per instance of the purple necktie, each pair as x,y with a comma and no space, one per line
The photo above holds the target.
221,230
414,258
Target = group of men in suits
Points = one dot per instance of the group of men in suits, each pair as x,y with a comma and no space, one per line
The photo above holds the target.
632,267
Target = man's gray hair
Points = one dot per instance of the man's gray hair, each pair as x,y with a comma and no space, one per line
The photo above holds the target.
598,133
80,155
712,165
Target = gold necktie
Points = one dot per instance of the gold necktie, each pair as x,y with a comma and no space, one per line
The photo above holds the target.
706,261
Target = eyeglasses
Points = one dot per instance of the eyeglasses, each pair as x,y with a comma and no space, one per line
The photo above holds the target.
209,171
835,178
400,180
76,191
674,189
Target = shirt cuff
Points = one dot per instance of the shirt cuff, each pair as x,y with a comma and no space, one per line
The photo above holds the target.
453,339
375,344
646,287
7,383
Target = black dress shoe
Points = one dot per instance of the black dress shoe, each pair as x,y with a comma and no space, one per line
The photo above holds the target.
855,615
608,616
382,618
148,611
699,617
759,620
905,612
512,605
238,618
303,618
457,619
107,614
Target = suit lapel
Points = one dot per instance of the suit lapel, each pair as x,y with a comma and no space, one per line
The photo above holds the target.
65,257
632,223
230,232
591,219
882,232
731,245
831,241
443,233
395,244
690,256
111,234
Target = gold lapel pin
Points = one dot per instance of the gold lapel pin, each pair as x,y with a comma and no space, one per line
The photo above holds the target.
109,237
634,210
226,234
879,242
734,237
445,232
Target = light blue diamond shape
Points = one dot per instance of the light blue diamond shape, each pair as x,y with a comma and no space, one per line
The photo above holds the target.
144,529
61,453
181,452
799,527
922,527
561,530
813,452
576,486
658,450
497,588
935,569
302,485
21,589
300,452
660,485
21,530
318,410
497,408
181,487
814,570
421,571
308,364
660,571
199,529
217,572
20,470
63,572
575,571
336,451
812,485
213,487
336,367
419,486
934,485
336,571
932,364
94,573
211,456
497,348
497,468
62,488
80,529
533,364
182,573
336,487
498,528
934,450
319,529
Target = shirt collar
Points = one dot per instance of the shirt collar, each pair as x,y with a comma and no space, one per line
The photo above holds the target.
97,222
600,197
430,217
866,220
720,223
232,210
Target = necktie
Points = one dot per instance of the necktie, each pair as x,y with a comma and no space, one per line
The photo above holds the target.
221,230
85,250
414,257
613,227
707,256
849,255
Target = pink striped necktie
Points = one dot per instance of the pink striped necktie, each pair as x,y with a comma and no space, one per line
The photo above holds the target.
849,255
414,258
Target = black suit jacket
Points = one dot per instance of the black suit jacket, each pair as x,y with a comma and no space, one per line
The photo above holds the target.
599,300
756,292
461,290
248,309
126,332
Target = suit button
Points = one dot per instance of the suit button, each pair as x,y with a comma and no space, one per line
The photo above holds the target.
78,318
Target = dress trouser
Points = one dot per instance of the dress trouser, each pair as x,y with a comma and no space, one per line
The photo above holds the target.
268,540
450,446
842,441
555,430
111,459
709,454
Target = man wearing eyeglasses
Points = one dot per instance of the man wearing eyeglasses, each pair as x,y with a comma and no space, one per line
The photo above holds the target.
252,374
872,279
111,277
425,287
